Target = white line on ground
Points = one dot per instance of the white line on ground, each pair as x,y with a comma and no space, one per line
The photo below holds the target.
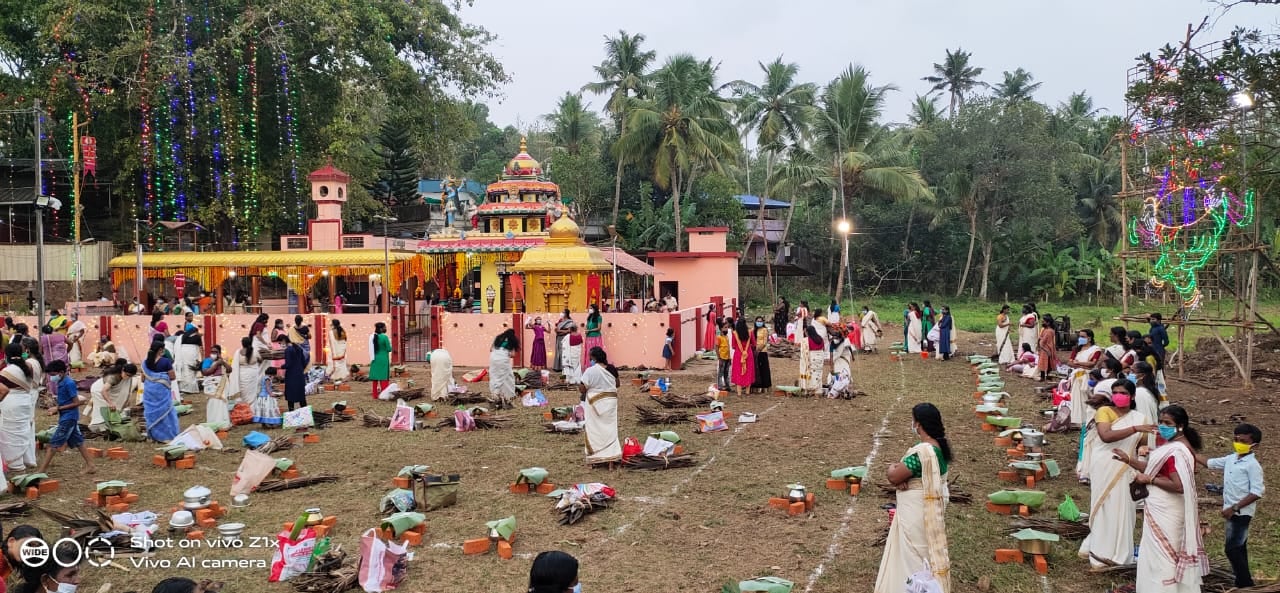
833,549
698,470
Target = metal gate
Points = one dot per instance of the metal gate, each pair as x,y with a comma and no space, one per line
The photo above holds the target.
417,337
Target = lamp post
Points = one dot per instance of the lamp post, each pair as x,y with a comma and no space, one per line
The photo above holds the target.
80,267
386,258
844,228
613,240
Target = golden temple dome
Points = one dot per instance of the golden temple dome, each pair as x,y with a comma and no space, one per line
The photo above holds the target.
564,230
523,165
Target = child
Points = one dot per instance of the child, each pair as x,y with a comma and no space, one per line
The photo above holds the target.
68,412
667,353
266,410
722,353
1242,487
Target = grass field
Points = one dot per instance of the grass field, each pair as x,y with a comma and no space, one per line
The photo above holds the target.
689,529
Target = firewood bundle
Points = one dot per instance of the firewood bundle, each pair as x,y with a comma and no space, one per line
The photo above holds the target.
957,494
647,415
266,354
462,399
574,510
658,462
783,349
671,400
483,421
372,420
412,394
279,443
331,574
1219,578
1067,529
301,482
15,509
86,529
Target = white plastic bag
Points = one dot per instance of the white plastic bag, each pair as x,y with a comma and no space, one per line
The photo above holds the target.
923,581
389,393
382,564
291,557
299,418
402,418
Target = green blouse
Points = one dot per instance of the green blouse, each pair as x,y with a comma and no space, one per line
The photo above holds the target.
593,328
912,462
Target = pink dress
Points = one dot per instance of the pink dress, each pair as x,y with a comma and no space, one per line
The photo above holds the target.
538,357
275,335
742,373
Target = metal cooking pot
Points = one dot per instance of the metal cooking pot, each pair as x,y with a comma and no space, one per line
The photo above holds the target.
231,530
1034,546
240,501
197,495
1032,438
181,519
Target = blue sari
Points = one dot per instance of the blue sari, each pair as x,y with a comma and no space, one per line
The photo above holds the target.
157,401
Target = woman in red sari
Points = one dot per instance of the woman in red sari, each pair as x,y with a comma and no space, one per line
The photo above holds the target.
1046,348
743,365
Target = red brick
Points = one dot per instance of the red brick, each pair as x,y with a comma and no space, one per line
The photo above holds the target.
1030,481
122,454
521,488
311,438
1013,453
546,488
118,507
185,463
989,427
504,550
47,486
209,523
321,530
1024,510
158,461
289,474
1042,565
796,508
203,514
33,493
779,503
222,435
94,452
195,534
476,546
329,520
1008,475
129,498
1004,442
855,488
808,502
1002,509
1005,556
413,538
400,482
834,484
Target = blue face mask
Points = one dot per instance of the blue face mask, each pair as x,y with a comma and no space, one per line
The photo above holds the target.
1082,340
1168,432
1132,377
1092,382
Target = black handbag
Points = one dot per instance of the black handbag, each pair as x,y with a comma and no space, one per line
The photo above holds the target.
1138,491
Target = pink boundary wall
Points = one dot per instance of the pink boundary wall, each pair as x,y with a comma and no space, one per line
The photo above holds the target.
631,339
131,332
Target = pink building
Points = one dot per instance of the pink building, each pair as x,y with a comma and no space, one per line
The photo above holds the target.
706,270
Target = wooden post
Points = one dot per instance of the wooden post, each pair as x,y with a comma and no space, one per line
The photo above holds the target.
217,299
333,291
517,323
320,340
255,293
1124,216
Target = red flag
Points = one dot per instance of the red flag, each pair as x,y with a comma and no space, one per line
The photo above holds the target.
593,289
517,286
89,154
180,284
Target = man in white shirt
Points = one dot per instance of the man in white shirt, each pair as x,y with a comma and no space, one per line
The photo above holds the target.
1242,488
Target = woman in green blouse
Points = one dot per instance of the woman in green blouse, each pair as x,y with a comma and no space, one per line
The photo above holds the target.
380,366
593,338
918,534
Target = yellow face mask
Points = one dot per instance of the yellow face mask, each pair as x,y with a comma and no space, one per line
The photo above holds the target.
1241,448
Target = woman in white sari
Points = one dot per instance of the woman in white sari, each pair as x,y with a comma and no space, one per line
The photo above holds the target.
114,391
599,391
1112,512
247,372
571,360
915,329
870,330
1004,338
75,335
1084,357
813,359
1028,327
441,373
918,536
338,370
187,359
1173,559
17,410
502,378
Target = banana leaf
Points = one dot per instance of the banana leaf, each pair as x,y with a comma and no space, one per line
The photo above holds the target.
857,471
412,471
110,487
183,409
532,475
402,522
667,435
27,480
1031,498
283,464
45,435
991,409
1002,421
424,408
766,585
504,527
1032,534
173,451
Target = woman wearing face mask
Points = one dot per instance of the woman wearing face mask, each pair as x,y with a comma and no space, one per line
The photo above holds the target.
554,572
1084,356
764,379
1173,558
1111,509
870,326
743,371
19,388
1146,398
60,574
918,532
594,336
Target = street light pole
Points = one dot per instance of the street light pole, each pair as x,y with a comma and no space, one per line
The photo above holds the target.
843,227
39,213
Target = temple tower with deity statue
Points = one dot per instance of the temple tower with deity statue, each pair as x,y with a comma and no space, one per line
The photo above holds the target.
564,273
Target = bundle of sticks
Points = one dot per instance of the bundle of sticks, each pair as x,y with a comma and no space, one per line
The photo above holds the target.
86,529
322,419
331,574
647,415
412,394
372,420
1219,578
271,354
302,482
483,421
655,463
15,509
279,443
1067,529
671,400
957,494
462,399
783,349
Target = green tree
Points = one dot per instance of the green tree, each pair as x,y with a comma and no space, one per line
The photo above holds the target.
1017,86
863,159
624,75
583,179
684,125
573,127
955,76
397,181
779,111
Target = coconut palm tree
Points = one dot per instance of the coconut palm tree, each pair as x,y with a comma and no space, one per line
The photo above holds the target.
1097,204
863,157
683,125
1017,86
573,126
955,76
623,75
924,111
798,171
779,112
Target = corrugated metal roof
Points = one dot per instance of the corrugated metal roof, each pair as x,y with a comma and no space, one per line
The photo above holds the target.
628,262
753,203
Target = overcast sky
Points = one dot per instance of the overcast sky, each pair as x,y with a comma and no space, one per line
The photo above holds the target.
550,47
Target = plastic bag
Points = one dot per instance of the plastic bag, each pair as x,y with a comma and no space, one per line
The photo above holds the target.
383,565
712,422
1068,511
630,448
397,500
923,581
254,468
534,399
291,556
255,439
463,421
402,418
300,418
